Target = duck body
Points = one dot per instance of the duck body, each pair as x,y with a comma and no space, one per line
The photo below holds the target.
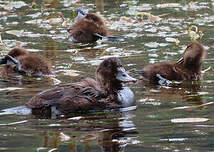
86,28
106,92
188,68
168,70
69,97
22,62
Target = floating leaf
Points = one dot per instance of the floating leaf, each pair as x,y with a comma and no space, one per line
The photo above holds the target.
54,21
170,39
52,150
15,32
55,80
66,22
81,58
4,46
126,19
192,107
152,44
165,5
188,120
34,50
72,73
75,118
54,125
64,137
194,33
204,71
10,89
151,17
14,123
174,139
14,5
36,21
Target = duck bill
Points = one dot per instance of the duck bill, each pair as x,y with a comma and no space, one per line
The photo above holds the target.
123,76
81,13
3,60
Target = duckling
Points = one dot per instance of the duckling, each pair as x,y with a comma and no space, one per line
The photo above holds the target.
188,68
19,60
88,28
106,92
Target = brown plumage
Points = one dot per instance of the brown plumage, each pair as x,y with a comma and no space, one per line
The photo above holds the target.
186,69
89,94
31,65
83,29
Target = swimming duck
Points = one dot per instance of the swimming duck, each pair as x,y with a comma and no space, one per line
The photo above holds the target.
188,68
19,60
106,92
88,28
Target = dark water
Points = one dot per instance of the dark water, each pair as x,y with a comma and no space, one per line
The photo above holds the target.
154,125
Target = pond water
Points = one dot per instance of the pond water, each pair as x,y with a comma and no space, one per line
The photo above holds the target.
166,118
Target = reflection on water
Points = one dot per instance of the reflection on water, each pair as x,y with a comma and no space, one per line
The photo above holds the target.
106,133
161,35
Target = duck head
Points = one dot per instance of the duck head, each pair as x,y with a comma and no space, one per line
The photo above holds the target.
193,57
13,53
81,13
111,74
17,52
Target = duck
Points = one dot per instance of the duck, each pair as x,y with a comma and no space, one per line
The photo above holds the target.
104,92
187,68
20,61
88,28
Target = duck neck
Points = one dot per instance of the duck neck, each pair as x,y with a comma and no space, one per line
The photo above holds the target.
194,67
111,87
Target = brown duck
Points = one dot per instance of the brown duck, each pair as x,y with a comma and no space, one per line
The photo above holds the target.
88,28
188,68
20,61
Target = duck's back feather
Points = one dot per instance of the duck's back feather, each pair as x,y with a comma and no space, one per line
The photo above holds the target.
34,64
170,71
80,96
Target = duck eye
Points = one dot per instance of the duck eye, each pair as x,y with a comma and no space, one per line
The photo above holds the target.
108,65
189,46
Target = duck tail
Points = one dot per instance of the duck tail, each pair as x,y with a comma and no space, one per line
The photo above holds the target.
20,110
109,38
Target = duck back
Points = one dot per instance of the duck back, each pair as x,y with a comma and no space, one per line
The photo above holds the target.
80,96
84,29
30,64
34,64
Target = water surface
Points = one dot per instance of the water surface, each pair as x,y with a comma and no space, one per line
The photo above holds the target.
163,118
